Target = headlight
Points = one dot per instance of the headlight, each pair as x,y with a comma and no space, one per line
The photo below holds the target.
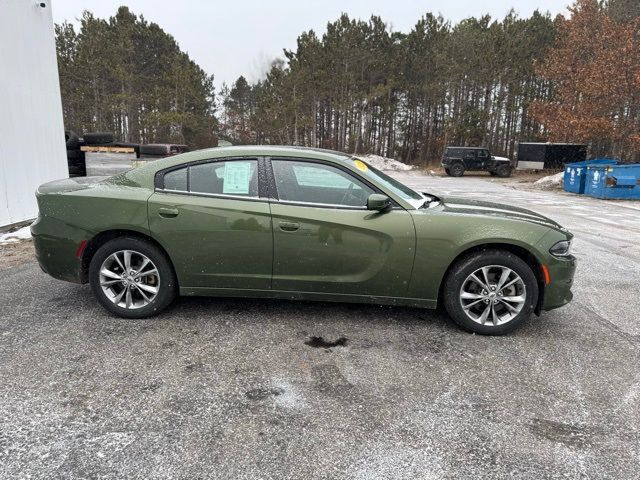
561,249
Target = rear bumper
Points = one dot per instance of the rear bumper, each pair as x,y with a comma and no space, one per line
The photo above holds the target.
558,292
56,246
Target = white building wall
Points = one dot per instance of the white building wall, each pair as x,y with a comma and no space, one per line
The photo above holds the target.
32,147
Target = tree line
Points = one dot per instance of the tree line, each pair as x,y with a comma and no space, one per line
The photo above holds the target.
363,87
127,76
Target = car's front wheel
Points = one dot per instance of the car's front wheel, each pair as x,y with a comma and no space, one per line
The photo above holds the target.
132,278
490,292
503,171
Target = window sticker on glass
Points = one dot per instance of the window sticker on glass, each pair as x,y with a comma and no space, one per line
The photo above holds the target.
319,177
236,178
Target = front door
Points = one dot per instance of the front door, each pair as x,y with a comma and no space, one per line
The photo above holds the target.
471,160
214,224
326,241
483,159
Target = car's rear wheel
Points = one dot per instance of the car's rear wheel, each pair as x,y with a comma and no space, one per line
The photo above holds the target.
456,170
490,292
503,171
132,278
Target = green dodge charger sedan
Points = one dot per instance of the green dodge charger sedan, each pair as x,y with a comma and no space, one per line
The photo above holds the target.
295,223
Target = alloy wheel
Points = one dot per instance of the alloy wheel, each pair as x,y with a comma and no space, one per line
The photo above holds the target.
493,294
129,279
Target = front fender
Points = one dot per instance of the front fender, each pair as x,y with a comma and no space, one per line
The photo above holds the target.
442,237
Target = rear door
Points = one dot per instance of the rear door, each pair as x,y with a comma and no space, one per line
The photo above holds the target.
326,241
215,223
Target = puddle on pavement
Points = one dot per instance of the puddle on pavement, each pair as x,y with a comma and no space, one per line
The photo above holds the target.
319,342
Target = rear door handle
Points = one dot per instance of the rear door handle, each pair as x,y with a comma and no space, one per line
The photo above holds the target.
168,212
289,226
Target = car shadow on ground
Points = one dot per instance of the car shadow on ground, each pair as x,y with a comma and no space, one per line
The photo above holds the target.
327,312
278,312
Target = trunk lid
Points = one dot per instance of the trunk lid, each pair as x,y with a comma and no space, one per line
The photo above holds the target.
69,185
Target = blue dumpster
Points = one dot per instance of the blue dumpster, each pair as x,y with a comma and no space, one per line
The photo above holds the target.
575,174
613,181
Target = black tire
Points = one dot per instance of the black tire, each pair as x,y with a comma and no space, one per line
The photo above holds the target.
72,140
168,284
75,155
459,273
76,163
135,146
503,171
159,149
457,170
447,171
76,171
97,138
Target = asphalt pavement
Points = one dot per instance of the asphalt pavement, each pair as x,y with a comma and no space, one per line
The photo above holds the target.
237,388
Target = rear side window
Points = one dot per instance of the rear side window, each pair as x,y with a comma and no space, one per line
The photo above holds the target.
176,180
233,177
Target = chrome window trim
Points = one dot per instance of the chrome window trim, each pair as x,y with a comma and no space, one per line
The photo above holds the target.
270,200
319,205
222,196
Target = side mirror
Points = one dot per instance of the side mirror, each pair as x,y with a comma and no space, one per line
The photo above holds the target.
379,202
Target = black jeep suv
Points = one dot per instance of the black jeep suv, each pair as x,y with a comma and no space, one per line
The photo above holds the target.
457,160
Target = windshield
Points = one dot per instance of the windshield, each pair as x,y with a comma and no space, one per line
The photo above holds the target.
416,199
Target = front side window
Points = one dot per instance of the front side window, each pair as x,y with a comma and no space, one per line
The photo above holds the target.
309,182
233,177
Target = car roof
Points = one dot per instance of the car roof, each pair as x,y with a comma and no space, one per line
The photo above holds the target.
148,171
249,150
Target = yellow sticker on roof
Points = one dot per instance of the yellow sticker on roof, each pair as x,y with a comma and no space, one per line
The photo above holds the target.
360,165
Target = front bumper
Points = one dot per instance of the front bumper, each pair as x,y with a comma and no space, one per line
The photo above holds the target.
558,292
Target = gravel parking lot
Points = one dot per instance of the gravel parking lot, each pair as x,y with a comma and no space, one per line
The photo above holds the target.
234,388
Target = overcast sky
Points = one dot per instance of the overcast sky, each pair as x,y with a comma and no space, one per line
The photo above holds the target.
242,37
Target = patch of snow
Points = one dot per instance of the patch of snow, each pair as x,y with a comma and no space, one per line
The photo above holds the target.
23,233
384,163
550,182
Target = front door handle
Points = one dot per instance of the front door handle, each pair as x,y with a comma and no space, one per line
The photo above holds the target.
289,226
168,212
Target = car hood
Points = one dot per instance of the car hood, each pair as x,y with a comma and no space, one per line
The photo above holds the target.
490,209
